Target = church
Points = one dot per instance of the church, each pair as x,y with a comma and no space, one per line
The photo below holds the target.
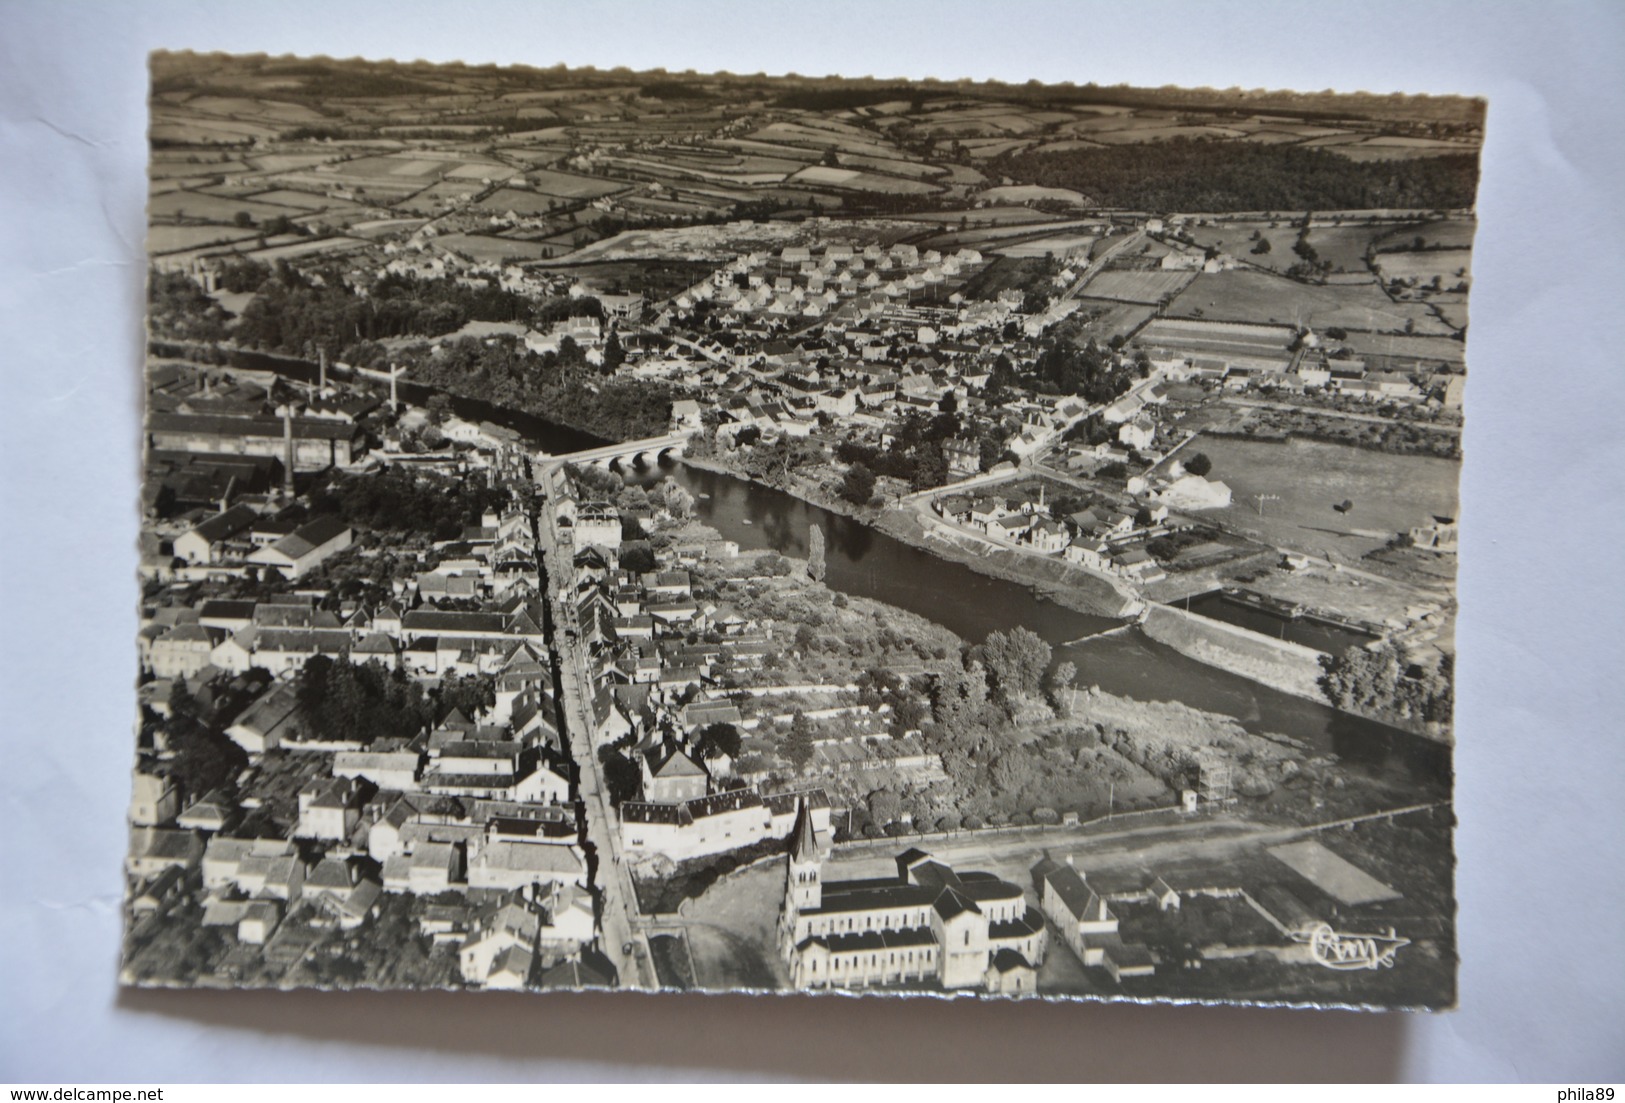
928,926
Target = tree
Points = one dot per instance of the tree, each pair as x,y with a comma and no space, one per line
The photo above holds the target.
858,486
203,760
621,775
676,499
815,553
884,806
1065,674
1199,464
718,740
1262,247
799,747
638,556
438,408
1016,661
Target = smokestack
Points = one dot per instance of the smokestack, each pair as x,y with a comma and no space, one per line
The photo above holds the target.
394,401
324,368
287,451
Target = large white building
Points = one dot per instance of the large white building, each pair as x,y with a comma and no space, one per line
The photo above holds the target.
928,925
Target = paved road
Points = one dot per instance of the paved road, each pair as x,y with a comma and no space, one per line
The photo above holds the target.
618,917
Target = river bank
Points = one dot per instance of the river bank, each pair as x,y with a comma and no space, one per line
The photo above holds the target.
1048,579
966,595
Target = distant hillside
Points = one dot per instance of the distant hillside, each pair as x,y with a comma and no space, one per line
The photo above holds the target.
1197,175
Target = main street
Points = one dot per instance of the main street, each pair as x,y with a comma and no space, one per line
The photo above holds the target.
620,936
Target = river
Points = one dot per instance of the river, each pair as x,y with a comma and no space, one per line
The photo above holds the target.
865,562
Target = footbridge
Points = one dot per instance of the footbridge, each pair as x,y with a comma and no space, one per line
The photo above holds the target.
641,453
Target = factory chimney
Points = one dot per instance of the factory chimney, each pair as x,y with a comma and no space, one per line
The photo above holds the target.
394,401
324,369
287,451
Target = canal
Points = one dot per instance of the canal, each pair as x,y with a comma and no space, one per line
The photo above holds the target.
865,562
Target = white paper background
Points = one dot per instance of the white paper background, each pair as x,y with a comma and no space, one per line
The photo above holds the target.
1540,761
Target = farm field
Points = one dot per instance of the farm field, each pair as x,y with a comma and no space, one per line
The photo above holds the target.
1389,492
1029,193
303,200
1104,320
173,239
308,248
1446,349
1452,266
200,206
189,166
1060,245
483,248
1447,233
1245,296
517,200
825,176
1235,238
1137,287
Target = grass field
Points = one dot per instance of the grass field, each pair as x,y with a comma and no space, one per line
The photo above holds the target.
173,239
197,206
1389,492
860,181
1452,266
1137,287
1331,874
494,248
1245,296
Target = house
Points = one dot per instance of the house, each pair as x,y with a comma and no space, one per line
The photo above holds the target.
513,864
329,808
964,457
1138,434
207,542
262,726
306,548
156,800
183,650
598,524
671,774
1086,923
930,924
685,414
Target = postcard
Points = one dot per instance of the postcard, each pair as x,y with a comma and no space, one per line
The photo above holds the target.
735,533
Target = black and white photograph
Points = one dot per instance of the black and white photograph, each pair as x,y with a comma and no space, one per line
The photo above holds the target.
907,542
665,531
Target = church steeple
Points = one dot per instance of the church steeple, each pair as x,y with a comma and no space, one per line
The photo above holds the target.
808,849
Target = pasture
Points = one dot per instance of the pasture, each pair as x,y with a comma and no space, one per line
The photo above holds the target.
173,239
1451,266
1245,296
1137,287
851,180
1390,492
181,206
496,249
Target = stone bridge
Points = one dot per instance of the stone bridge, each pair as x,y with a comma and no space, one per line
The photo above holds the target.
644,453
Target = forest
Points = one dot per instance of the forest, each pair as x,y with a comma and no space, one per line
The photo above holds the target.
1201,175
